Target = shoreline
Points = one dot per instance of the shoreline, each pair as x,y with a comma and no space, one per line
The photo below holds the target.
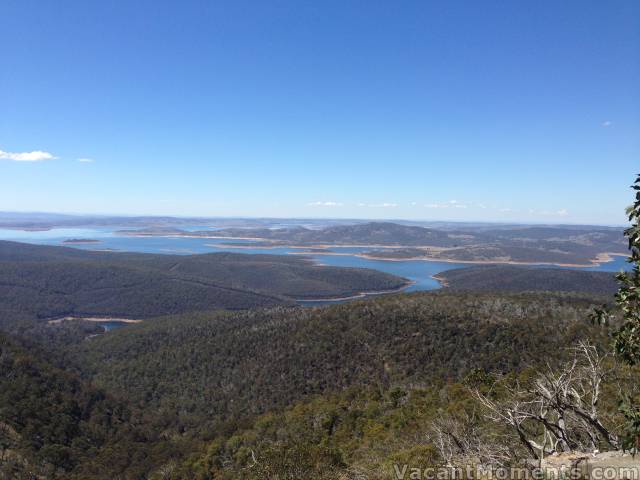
27,229
444,283
267,240
80,241
210,237
601,258
359,295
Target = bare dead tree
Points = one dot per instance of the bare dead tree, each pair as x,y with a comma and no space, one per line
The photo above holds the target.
558,412
514,413
461,441
576,389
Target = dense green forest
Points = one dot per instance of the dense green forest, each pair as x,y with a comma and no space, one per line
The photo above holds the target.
518,279
182,388
46,282
53,424
373,432
255,394
213,366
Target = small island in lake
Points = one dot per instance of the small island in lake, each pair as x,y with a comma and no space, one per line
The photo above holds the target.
72,241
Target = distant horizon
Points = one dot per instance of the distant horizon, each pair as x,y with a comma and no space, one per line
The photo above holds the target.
318,219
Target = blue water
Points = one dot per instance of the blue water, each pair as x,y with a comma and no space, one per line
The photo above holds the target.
419,272
618,263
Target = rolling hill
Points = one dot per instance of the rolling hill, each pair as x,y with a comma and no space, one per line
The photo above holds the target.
222,365
516,279
519,244
44,282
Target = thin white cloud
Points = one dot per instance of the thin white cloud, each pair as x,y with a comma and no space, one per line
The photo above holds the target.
563,212
381,205
85,160
449,204
324,204
378,205
607,123
35,156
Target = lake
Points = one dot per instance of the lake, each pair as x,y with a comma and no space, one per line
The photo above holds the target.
418,271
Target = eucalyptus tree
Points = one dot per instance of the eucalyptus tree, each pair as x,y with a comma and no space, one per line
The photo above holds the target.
627,338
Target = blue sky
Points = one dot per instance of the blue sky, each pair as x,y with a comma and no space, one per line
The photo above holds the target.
460,110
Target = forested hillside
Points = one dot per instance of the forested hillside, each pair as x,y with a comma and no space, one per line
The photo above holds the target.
45,282
318,391
517,279
266,392
202,369
378,433
55,425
